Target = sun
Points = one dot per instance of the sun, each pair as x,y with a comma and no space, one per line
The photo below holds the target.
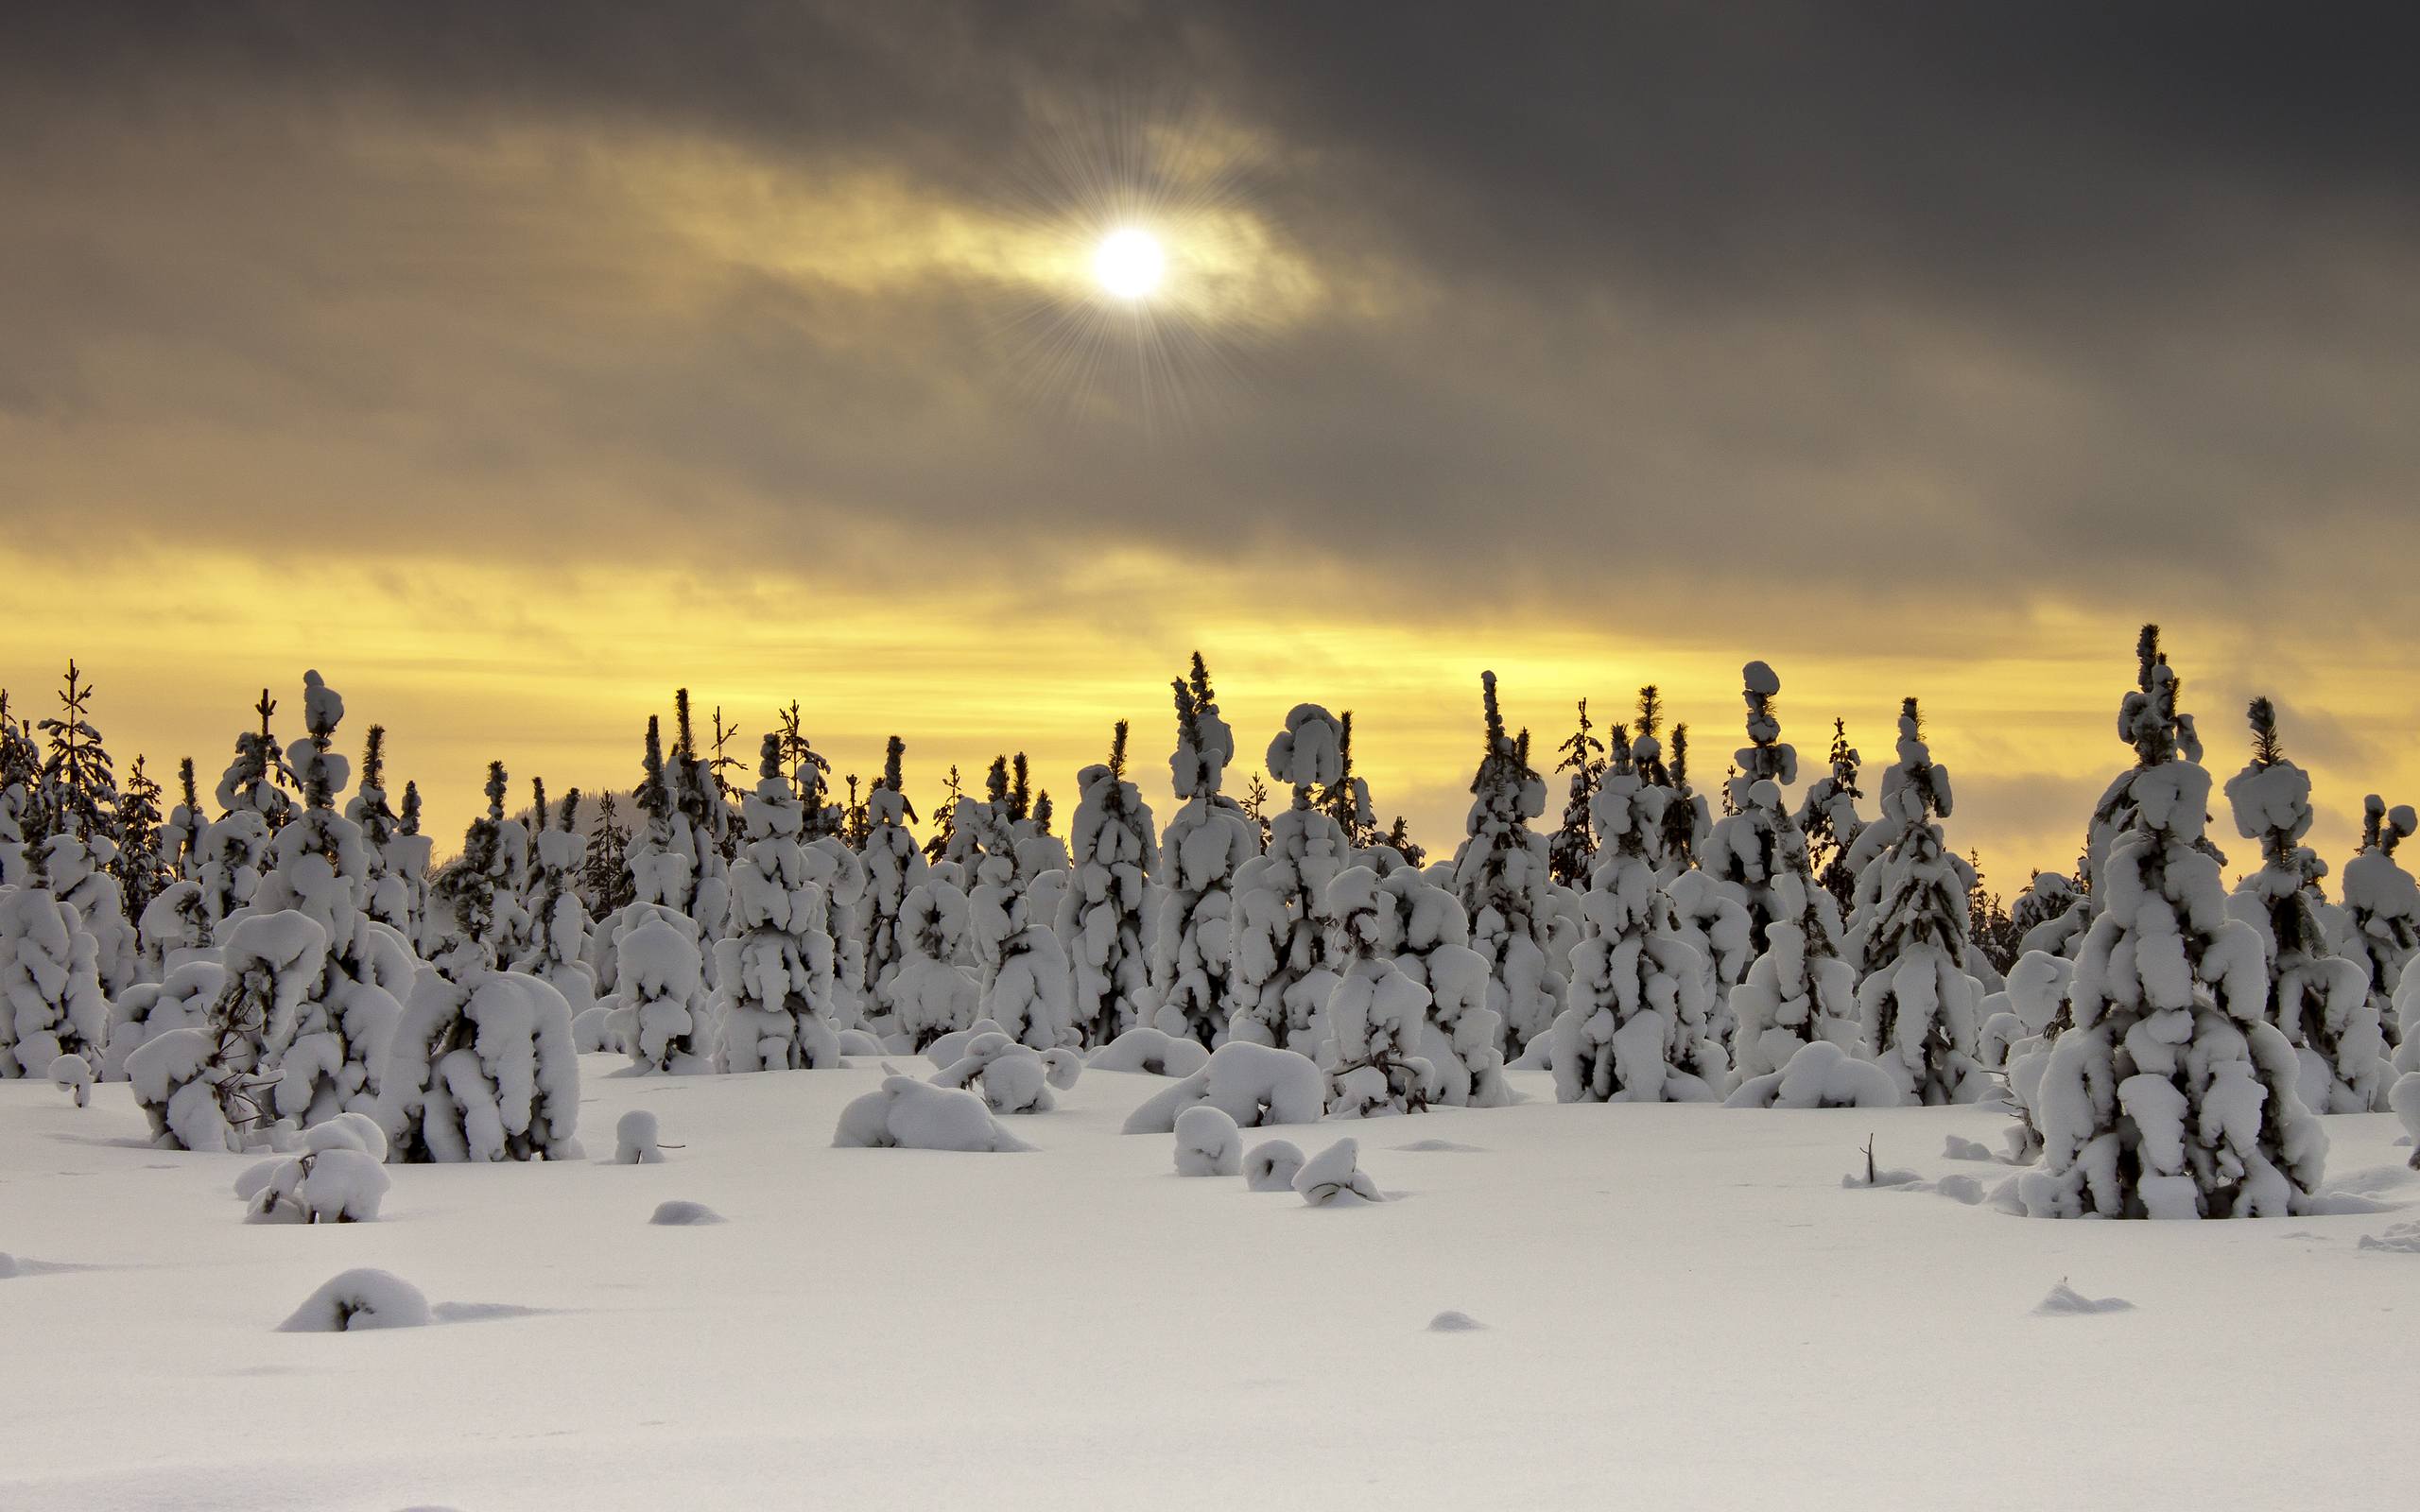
1128,264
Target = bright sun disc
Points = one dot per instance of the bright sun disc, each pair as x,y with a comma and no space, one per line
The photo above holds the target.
1128,264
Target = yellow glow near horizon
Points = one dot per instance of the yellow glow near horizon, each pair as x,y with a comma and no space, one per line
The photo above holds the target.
1129,264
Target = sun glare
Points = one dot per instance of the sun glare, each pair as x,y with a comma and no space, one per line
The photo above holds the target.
1128,264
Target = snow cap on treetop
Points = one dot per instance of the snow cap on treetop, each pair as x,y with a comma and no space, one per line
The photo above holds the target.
1307,753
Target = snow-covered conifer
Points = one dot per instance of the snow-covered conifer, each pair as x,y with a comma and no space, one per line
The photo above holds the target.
1026,986
20,793
2169,1095
1207,843
1285,964
481,1068
1797,991
1635,1022
1571,853
1919,1011
51,1003
894,865
2382,912
210,1087
1827,816
2318,999
929,993
1377,1015
481,891
326,1044
662,1012
604,874
774,979
1501,875
1103,923
555,946
1462,1035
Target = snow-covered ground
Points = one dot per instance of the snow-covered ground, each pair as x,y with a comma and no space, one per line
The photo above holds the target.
1680,1306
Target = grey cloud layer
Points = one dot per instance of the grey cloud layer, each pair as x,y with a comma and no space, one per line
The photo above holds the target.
2068,296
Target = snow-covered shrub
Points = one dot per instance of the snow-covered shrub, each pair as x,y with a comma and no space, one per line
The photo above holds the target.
2169,1095
1150,1052
1820,1074
1285,966
909,1114
1919,1012
1207,1143
1271,1166
1103,923
1010,1078
1377,1015
359,1299
1635,1026
2319,1000
662,1013
1332,1177
481,1069
1501,874
1204,851
1251,1084
775,972
73,1075
338,1184
636,1139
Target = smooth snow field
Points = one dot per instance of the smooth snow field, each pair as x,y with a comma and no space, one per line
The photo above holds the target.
1660,1306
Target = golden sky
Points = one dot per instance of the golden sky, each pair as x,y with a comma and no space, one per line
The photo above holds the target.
514,376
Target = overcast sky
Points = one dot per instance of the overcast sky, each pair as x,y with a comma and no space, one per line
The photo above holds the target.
513,362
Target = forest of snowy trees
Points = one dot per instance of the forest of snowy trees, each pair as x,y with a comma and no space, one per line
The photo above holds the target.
277,960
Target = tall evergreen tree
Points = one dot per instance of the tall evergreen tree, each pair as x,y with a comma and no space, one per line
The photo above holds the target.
1102,922
2382,910
1208,842
1571,853
1827,815
2169,1093
1286,961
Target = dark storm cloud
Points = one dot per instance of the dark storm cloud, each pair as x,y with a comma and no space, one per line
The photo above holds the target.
2018,295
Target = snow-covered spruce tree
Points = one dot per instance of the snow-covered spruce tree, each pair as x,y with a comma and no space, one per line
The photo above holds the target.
1377,1014
252,805
1285,963
1103,923
1501,876
407,860
894,865
1347,800
662,1012
1208,843
1686,822
2169,1095
929,994
775,969
325,1034
144,866
1827,816
2318,999
1027,987
696,795
556,947
938,847
1461,1040
20,793
1635,1024
810,777
481,890
385,896
604,875
79,798
210,1086
2381,918
1918,1009
51,1003
176,925
1571,853
1798,990
1399,841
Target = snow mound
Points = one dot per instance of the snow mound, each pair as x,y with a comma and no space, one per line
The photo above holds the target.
1333,1177
909,1114
1954,1149
2338,1204
1452,1322
1207,1143
1906,1180
1966,1189
1251,1084
2402,1238
636,1139
860,1042
680,1213
1148,1052
2066,1301
337,1184
1272,1167
1820,1074
359,1299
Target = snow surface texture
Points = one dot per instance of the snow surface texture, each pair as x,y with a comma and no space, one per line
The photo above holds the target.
805,1396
